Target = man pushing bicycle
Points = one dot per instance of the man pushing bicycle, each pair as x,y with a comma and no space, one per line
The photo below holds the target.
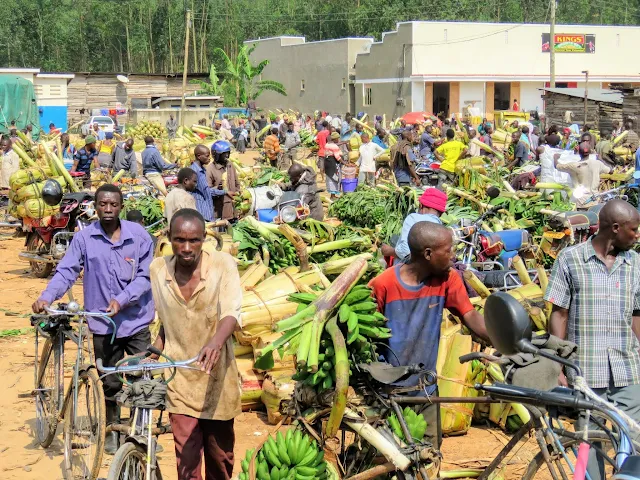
115,255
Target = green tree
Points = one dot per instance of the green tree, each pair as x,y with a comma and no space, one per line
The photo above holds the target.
242,79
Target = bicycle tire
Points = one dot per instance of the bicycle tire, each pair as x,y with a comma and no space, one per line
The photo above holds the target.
79,464
538,461
47,404
130,463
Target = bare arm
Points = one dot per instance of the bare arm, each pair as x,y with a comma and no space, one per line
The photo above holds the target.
635,325
475,322
210,353
558,322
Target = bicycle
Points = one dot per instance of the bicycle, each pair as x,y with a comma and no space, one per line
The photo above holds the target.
82,404
378,394
136,457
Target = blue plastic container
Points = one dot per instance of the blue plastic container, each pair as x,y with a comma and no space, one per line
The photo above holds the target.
267,214
349,184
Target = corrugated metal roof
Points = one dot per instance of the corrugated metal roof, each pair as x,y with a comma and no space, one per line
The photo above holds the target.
595,94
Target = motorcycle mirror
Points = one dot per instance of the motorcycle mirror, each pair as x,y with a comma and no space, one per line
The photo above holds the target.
508,324
493,192
271,195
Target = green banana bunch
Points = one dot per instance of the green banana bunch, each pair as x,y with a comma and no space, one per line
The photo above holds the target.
288,457
416,423
325,377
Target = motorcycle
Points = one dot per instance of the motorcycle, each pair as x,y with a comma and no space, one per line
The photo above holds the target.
49,238
577,226
491,254
290,208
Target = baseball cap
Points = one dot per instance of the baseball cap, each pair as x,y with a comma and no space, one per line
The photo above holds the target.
434,198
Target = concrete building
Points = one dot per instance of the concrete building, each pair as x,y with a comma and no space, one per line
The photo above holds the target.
51,94
316,75
447,66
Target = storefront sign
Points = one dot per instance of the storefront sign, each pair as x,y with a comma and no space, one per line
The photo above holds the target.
569,43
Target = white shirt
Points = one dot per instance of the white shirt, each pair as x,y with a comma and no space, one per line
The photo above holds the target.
225,124
548,171
336,123
368,153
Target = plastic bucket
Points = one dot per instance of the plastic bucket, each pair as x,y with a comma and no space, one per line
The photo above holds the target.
349,184
266,214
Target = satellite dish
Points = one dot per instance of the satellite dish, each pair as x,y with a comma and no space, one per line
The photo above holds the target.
122,78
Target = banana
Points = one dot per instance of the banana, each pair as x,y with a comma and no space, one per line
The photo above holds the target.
357,296
271,453
297,438
352,336
319,458
344,312
281,445
364,307
302,470
275,473
373,332
245,465
327,382
263,471
370,320
289,439
304,298
352,323
307,460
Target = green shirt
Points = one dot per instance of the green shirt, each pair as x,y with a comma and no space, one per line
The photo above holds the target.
601,305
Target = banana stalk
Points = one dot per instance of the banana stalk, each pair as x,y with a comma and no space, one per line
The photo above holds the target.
520,268
24,157
476,284
342,379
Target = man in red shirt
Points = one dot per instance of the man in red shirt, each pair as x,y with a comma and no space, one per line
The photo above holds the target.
515,106
321,140
413,295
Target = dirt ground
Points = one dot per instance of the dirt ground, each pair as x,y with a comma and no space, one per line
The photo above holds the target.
21,458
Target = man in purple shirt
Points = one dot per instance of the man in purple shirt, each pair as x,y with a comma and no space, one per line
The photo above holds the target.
115,255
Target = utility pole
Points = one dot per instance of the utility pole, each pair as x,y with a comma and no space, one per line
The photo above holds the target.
552,44
186,65
586,94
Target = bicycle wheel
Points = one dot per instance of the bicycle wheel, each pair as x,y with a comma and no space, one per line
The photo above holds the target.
130,463
539,467
84,429
47,394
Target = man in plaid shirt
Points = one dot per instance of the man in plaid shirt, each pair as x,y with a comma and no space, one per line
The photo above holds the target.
595,293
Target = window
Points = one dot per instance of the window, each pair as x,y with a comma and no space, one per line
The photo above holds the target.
302,85
55,90
344,83
38,90
367,96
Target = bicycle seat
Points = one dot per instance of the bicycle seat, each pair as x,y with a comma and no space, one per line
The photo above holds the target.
387,374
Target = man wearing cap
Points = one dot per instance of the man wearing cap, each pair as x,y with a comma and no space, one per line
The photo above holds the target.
433,203
83,159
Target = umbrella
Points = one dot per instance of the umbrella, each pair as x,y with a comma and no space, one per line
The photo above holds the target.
416,117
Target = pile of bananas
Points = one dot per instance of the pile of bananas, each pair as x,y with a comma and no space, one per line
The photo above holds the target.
290,457
416,423
361,325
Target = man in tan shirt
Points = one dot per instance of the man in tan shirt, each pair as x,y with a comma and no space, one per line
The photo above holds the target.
180,197
222,175
198,299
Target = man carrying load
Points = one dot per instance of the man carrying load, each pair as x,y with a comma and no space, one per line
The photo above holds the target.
413,296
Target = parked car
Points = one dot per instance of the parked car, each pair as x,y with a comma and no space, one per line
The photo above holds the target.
105,123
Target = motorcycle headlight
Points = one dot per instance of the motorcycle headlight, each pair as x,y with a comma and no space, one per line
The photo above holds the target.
288,214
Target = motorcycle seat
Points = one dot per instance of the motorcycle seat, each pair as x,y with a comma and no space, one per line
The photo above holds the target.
387,374
78,196
584,219
514,239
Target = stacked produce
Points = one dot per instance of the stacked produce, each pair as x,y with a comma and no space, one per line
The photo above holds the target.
382,208
152,209
293,456
147,128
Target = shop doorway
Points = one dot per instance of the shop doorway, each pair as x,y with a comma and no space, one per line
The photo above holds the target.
501,96
441,91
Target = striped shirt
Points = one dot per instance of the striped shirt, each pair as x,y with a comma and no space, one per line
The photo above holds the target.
204,193
601,305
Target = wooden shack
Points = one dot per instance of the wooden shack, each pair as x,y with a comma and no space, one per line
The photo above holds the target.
89,91
565,106
630,101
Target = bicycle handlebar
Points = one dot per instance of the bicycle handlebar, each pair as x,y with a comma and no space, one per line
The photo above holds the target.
140,367
80,313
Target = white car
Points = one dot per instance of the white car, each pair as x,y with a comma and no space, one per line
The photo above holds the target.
106,124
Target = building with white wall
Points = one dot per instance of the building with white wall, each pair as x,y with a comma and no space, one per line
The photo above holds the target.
446,66
51,94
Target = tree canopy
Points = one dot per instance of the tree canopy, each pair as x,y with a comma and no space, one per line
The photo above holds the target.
148,35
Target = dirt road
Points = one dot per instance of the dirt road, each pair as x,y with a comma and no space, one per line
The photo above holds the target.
21,458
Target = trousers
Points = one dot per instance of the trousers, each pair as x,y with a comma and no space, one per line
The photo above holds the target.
195,437
112,353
